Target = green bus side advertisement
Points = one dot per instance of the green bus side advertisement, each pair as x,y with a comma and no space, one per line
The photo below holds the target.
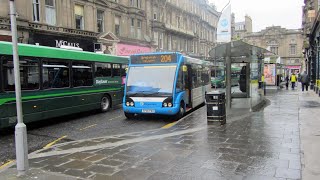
107,81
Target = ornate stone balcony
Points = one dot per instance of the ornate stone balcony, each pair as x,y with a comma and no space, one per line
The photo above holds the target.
179,30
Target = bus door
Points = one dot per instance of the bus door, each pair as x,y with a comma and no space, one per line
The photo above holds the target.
188,84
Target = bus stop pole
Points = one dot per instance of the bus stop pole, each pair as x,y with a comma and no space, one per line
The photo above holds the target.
20,128
228,74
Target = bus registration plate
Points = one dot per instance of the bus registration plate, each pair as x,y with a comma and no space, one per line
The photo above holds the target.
148,111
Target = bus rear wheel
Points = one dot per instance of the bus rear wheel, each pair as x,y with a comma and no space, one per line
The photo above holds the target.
105,104
129,115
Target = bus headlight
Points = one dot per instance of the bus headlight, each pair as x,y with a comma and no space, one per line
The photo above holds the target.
129,102
167,102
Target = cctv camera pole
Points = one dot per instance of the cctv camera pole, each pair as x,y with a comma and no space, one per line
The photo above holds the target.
20,128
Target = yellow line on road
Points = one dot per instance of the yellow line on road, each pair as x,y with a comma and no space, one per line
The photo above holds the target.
88,127
6,164
169,125
53,142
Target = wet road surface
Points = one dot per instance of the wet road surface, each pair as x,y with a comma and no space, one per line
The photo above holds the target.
263,145
77,127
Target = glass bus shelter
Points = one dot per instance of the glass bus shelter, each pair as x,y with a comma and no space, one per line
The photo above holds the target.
244,65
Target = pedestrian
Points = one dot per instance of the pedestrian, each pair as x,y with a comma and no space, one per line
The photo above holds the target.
287,82
293,80
305,80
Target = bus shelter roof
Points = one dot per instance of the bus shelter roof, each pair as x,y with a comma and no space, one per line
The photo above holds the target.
239,50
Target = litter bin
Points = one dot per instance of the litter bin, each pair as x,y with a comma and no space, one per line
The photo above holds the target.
216,107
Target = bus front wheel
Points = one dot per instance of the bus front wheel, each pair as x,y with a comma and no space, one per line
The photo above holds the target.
129,115
180,113
105,104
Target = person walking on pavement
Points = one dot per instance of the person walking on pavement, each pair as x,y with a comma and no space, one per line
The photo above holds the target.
287,82
304,80
293,80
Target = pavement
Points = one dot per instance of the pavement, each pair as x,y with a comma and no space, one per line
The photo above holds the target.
279,142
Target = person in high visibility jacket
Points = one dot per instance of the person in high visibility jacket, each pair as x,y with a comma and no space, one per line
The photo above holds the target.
293,79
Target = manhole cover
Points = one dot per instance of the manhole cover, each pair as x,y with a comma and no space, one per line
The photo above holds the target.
310,104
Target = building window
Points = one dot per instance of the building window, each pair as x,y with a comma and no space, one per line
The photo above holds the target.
132,3
132,31
100,25
178,21
117,25
138,4
274,50
160,41
292,49
50,12
169,43
78,11
155,38
36,10
155,13
139,27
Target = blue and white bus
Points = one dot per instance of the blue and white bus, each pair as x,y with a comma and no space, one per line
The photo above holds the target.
165,83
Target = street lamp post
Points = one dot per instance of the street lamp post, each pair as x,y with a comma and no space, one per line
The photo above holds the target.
20,128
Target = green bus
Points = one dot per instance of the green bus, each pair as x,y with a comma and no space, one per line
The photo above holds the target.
218,76
57,82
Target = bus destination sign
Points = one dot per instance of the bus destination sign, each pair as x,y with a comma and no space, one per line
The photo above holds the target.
154,59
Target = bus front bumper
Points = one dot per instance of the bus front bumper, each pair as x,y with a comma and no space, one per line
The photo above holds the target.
152,110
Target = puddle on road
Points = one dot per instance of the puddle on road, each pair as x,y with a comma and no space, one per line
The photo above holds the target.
310,104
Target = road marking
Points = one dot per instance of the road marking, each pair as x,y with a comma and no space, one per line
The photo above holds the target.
114,144
6,164
87,127
53,142
115,118
169,125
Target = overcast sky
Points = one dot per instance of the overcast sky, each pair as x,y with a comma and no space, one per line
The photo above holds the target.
285,13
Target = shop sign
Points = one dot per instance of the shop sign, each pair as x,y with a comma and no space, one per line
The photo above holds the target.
293,67
127,50
59,43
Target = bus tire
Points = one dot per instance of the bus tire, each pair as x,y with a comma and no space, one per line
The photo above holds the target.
105,103
181,112
129,115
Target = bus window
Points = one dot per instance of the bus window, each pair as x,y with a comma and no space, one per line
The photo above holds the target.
102,69
55,74
29,74
180,83
82,74
124,68
194,76
116,70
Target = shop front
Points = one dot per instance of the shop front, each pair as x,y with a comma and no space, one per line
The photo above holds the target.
127,49
294,69
85,43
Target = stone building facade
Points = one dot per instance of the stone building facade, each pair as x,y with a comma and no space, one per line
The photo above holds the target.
286,43
119,27
241,29
311,32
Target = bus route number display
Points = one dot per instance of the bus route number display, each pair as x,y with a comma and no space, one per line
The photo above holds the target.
154,59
